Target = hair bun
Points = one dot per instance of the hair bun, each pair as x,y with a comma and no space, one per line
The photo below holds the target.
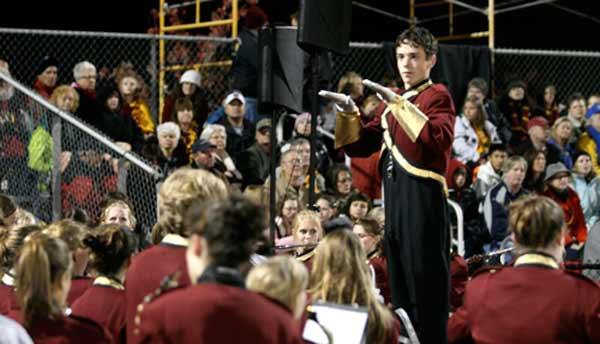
92,242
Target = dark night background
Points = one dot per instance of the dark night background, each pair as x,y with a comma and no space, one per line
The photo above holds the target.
543,26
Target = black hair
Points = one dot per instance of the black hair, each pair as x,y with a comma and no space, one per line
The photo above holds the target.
111,246
231,228
419,37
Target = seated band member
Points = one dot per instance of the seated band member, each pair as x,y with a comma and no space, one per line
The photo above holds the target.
217,308
534,301
112,247
307,231
43,283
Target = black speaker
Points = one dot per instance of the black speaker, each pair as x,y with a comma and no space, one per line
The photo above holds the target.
280,69
325,24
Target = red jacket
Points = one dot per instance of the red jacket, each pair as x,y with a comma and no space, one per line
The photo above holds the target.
576,227
145,274
216,313
105,305
527,304
70,329
432,149
379,264
78,286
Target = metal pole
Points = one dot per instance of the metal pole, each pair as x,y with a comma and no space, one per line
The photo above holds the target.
313,128
161,58
154,109
56,172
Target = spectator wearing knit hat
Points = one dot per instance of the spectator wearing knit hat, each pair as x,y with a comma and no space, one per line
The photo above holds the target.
190,87
589,141
538,131
46,75
557,188
517,107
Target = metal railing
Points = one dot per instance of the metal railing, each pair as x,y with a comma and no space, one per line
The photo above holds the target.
51,162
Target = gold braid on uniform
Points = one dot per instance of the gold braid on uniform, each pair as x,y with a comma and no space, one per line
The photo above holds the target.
168,283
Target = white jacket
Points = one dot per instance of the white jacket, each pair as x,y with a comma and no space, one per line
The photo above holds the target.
466,141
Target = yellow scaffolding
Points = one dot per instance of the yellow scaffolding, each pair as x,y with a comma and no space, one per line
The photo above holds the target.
197,24
489,13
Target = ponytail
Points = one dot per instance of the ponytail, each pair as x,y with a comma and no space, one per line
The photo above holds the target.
43,261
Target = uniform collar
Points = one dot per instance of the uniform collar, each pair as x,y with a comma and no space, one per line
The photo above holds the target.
8,278
111,282
222,275
418,88
536,258
175,240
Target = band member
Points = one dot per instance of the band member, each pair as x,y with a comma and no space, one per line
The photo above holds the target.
217,308
182,188
370,234
307,231
534,301
43,282
416,127
111,249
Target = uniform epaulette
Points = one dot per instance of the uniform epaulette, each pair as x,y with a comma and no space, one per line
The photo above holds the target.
582,277
491,269
168,283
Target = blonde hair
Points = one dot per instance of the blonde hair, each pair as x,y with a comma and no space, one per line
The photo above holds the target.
281,278
351,80
559,121
11,242
44,260
182,188
71,232
535,221
512,161
340,274
63,90
307,215
122,204
210,129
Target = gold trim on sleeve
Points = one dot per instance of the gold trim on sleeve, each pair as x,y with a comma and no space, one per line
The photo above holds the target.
410,118
347,128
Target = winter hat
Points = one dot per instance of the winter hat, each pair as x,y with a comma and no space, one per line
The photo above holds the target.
516,83
554,169
539,121
191,76
47,61
594,109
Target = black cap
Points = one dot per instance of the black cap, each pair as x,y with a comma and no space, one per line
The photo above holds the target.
202,146
47,61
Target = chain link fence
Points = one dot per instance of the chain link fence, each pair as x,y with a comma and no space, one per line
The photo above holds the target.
24,49
52,164
569,71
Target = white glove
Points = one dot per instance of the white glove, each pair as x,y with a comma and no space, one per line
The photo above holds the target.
385,93
343,102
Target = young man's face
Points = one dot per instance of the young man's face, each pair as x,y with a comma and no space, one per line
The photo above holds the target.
577,109
412,64
497,159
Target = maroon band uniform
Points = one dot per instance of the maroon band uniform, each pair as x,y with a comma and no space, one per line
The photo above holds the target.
148,269
78,286
104,303
417,142
532,302
379,264
68,329
215,313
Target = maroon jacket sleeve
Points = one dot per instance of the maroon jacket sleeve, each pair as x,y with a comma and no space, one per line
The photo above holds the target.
438,132
578,228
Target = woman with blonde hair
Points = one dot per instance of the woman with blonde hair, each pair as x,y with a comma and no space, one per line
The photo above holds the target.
307,232
473,133
42,284
534,293
281,278
559,137
73,233
341,275
11,243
